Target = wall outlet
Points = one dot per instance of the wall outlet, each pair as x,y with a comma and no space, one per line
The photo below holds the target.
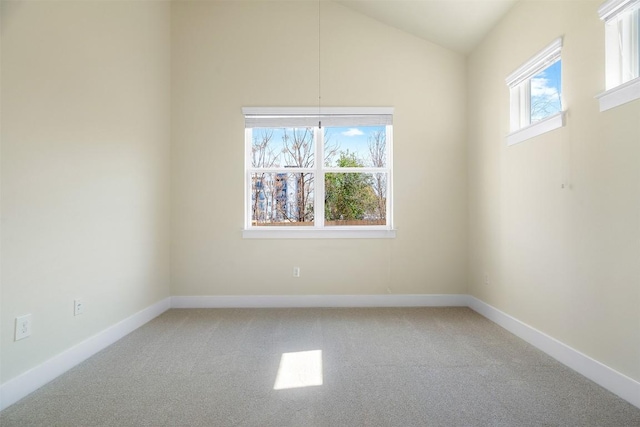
23,326
486,279
296,271
78,307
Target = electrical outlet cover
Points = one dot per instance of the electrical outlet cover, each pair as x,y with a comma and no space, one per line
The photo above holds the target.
23,327
78,307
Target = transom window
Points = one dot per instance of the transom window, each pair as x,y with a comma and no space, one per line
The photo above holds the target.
307,174
536,95
622,49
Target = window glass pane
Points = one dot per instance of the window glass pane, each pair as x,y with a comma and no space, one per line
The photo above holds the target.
362,146
282,199
546,92
355,199
282,147
627,38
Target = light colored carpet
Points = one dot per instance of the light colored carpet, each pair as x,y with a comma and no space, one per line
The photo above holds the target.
380,367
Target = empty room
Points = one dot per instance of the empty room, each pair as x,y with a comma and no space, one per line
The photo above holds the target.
320,213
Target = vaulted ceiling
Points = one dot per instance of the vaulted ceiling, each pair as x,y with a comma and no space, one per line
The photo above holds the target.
455,24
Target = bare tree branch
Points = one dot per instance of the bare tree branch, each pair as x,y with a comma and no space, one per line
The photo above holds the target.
378,158
299,152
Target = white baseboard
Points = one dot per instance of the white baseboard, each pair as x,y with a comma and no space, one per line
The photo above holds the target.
617,383
284,301
20,386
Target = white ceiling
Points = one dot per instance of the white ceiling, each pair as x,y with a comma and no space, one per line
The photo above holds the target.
455,24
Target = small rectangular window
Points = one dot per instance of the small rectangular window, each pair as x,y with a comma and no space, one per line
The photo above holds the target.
289,191
621,41
622,50
536,95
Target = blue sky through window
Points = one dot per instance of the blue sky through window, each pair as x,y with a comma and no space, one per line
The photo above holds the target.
546,92
271,150
354,139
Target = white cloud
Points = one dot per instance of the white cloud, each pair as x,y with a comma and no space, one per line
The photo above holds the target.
540,87
353,132
545,99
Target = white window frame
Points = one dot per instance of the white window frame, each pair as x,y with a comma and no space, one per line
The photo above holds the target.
519,83
622,52
299,116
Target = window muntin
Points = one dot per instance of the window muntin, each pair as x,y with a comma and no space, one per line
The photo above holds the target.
287,189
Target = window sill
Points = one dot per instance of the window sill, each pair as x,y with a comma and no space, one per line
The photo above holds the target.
318,234
626,92
543,126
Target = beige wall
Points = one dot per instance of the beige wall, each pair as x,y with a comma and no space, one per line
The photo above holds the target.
85,169
226,55
90,89
565,261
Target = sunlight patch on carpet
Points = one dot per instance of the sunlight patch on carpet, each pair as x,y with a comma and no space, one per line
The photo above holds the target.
299,369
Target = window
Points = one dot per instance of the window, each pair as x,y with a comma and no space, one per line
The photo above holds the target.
622,49
318,175
536,95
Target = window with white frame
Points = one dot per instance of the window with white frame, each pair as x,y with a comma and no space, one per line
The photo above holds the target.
536,95
622,52
311,174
